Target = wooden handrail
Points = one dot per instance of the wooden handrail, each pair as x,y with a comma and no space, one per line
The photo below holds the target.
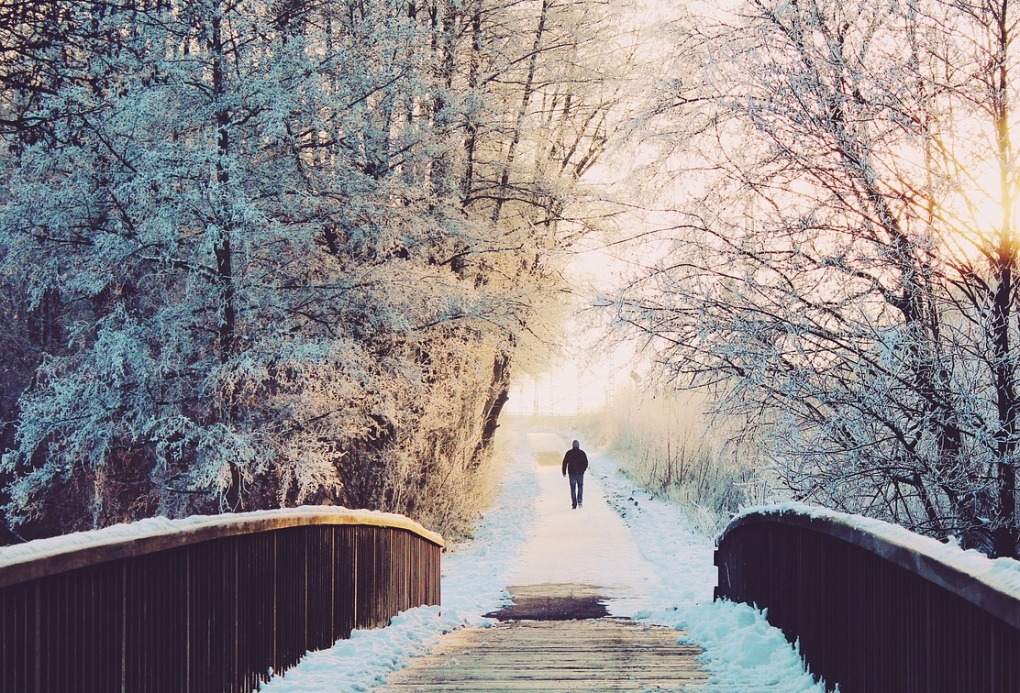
995,591
43,557
204,604
875,607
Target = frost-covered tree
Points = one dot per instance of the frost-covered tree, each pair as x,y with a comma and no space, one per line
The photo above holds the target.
259,272
842,267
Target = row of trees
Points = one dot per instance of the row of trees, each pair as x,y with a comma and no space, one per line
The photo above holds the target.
255,253
843,264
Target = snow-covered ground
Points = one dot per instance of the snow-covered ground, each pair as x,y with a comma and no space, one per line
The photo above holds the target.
653,567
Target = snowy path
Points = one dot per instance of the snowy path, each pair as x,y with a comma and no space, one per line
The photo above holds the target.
653,566
587,546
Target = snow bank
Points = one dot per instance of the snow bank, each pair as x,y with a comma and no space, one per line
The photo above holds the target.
744,653
369,656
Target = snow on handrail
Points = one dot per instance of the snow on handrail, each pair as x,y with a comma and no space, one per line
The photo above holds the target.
43,557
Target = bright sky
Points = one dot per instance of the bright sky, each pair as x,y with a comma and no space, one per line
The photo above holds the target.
585,380
590,373
591,370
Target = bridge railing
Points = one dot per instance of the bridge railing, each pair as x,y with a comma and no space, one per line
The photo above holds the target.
203,605
875,607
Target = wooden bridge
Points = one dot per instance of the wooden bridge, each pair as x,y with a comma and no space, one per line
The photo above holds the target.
554,639
212,605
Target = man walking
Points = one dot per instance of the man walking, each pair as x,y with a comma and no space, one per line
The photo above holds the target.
574,463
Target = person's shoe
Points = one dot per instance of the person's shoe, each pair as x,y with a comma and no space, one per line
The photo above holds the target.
580,505
573,507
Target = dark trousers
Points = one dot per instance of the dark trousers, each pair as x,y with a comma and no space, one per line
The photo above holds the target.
576,488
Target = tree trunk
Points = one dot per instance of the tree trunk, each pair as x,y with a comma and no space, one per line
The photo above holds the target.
499,393
221,245
1005,533
522,112
471,128
222,250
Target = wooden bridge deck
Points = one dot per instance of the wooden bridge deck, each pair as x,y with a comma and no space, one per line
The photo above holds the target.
554,656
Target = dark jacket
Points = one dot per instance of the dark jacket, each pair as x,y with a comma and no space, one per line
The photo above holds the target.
575,461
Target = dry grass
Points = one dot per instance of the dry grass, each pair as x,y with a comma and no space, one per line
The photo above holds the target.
669,445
